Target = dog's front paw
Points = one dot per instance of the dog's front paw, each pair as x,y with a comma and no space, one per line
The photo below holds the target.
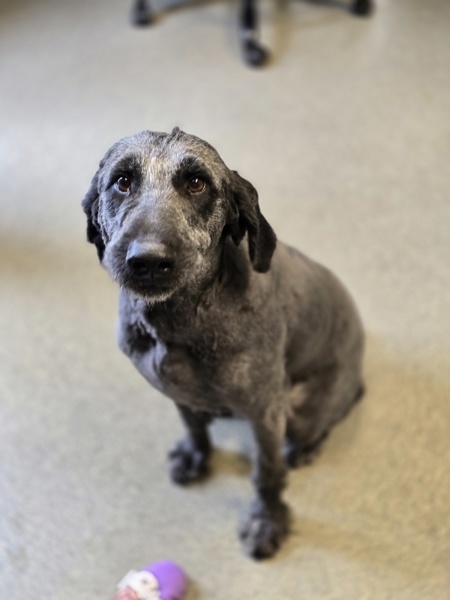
264,530
187,462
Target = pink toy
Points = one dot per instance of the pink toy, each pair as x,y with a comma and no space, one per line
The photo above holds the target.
161,580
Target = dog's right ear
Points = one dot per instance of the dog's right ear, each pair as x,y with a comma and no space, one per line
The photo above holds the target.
90,207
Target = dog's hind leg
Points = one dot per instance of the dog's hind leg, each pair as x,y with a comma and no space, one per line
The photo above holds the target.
188,461
323,400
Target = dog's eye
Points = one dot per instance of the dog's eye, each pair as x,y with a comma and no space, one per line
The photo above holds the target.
123,184
196,185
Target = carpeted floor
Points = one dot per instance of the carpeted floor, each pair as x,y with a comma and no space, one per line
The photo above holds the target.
346,135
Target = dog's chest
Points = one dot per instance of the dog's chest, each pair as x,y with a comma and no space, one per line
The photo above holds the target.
196,368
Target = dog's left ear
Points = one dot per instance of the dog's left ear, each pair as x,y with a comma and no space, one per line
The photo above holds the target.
246,217
90,207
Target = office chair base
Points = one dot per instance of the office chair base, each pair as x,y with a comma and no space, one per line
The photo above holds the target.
255,55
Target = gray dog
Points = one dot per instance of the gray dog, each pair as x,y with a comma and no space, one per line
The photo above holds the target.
219,317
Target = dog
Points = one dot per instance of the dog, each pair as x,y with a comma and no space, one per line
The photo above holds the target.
219,316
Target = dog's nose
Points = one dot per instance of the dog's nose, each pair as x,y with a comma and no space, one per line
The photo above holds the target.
150,261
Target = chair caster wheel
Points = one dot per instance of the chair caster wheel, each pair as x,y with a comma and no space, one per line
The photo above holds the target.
362,8
255,55
142,14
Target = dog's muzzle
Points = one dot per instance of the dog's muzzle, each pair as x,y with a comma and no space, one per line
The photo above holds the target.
150,263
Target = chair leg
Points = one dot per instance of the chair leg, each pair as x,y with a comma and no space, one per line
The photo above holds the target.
254,53
141,12
362,8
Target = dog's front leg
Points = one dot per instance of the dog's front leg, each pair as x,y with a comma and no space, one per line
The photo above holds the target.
268,521
188,461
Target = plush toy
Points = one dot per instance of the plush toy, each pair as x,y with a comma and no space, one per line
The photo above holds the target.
161,580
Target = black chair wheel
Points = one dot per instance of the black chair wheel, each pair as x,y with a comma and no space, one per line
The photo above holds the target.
142,14
362,8
255,55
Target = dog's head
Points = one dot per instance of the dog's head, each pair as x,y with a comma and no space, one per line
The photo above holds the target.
160,208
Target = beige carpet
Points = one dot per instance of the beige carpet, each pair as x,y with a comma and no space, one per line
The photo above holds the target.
346,135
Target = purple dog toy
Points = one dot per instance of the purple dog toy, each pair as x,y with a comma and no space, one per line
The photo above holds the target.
162,580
